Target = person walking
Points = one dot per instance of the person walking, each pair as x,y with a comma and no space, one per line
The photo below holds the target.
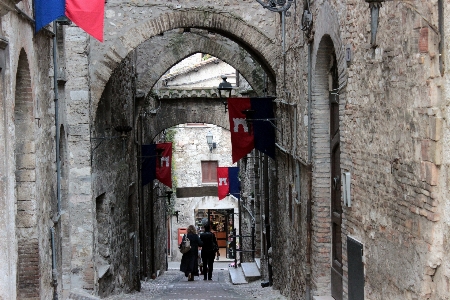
189,261
208,253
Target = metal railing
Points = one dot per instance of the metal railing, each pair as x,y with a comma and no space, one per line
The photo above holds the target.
252,236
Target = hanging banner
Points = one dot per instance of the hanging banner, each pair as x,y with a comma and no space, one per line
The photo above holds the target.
156,163
264,125
251,126
148,163
235,183
88,15
228,182
164,163
242,139
223,187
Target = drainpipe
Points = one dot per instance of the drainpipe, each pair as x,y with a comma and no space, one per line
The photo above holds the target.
283,37
152,235
265,171
240,229
54,271
294,151
308,234
55,87
309,163
142,207
309,101
58,161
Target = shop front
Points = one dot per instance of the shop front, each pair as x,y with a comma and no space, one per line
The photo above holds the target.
222,225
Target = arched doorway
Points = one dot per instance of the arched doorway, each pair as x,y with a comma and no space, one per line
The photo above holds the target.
28,264
326,106
335,165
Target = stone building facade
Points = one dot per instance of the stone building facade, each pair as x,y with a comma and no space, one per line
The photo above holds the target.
191,150
27,195
362,139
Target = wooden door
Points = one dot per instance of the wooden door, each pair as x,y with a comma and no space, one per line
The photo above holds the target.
336,207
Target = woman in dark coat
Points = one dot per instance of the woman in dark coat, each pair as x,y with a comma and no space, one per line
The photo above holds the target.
208,253
189,261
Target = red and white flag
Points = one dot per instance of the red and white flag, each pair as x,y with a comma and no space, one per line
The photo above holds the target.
164,164
88,15
223,185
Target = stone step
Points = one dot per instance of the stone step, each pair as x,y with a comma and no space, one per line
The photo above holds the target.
323,298
237,276
258,263
251,271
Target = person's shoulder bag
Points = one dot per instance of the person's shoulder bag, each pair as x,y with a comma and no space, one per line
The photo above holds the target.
215,246
185,245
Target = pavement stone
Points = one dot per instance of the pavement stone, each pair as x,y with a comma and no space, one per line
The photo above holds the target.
173,285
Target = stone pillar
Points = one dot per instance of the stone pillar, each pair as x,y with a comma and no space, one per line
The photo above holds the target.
80,203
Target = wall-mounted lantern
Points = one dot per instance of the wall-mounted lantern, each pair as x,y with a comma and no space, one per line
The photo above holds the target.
209,140
224,89
123,130
276,5
176,213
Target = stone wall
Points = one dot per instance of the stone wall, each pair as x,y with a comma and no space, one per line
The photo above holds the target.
115,187
444,179
189,150
374,86
390,120
393,107
27,191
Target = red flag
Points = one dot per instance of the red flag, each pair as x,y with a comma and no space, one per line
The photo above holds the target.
164,163
242,139
88,15
223,186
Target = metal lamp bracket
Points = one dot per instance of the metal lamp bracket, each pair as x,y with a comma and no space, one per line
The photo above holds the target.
276,5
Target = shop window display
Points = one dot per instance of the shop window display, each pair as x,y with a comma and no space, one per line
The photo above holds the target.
222,224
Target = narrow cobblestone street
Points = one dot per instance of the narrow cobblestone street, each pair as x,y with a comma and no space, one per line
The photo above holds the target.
173,285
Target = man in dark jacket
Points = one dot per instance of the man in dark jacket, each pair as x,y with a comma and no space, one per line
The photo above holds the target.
189,261
208,254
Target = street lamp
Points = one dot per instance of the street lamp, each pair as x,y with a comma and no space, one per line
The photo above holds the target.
209,140
276,6
374,6
224,89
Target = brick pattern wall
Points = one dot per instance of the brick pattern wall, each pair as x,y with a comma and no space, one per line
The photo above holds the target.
28,269
27,213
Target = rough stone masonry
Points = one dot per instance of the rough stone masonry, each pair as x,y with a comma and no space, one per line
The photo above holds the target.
383,103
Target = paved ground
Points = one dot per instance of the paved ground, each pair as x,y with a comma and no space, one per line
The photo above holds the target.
174,286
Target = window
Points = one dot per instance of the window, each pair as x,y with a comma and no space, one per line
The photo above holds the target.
209,171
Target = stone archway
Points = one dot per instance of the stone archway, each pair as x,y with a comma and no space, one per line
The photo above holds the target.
107,57
174,46
186,110
326,41
28,265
